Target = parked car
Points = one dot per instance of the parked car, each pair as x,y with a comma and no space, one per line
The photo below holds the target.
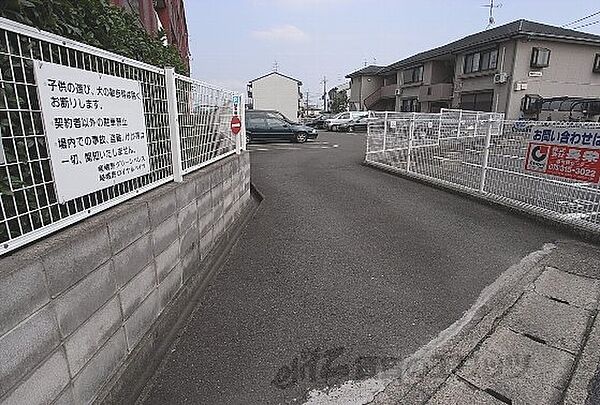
357,125
319,121
267,124
333,124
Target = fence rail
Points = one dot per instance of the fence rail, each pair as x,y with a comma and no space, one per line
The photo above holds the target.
482,154
189,122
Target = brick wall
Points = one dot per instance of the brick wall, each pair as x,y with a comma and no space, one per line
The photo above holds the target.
76,304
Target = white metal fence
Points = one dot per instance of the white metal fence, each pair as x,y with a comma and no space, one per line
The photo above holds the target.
482,154
187,127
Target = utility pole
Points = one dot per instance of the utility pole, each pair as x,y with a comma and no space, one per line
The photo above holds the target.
324,81
307,95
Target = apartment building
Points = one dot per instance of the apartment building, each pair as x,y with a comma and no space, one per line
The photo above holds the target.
522,69
276,91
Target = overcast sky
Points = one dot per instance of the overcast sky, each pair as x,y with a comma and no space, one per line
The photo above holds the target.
234,41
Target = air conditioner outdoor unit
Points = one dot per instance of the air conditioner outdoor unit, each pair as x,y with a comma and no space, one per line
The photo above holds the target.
397,92
500,78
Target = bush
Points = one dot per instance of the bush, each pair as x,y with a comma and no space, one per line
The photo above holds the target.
97,23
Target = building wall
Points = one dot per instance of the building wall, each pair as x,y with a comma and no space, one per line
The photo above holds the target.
275,92
362,87
172,17
569,73
144,9
483,81
78,305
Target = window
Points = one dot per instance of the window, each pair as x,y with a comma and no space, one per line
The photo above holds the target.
410,105
540,57
477,101
597,63
481,61
275,123
389,80
413,75
256,122
276,114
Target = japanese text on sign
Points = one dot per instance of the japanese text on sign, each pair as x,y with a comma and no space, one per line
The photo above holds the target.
572,153
95,127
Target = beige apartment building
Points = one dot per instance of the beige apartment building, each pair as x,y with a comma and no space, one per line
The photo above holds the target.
523,69
276,91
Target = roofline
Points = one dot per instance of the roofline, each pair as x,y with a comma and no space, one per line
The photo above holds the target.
357,72
500,38
280,74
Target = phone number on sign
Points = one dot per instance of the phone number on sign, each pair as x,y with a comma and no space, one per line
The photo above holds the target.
581,171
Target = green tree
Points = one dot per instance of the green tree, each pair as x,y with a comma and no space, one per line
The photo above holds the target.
339,102
97,23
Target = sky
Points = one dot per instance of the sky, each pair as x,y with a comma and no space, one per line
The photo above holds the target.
235,41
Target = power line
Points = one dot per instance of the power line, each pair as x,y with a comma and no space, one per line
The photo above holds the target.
587,25
581,19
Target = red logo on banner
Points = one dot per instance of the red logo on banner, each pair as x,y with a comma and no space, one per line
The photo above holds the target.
564,161
236,125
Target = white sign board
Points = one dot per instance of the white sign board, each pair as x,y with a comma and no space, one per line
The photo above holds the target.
95,128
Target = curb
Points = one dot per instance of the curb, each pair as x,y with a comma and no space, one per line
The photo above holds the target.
421,375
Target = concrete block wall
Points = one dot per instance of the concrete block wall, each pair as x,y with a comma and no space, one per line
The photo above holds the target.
76,304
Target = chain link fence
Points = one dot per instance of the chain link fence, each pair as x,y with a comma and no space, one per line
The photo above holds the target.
29,207
482,154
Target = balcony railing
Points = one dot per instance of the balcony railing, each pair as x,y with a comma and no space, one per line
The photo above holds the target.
389,91
435,92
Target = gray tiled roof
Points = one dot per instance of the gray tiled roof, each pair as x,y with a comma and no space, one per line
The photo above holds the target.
519,28
366,71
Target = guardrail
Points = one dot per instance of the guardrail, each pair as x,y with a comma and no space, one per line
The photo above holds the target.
186,128
484,155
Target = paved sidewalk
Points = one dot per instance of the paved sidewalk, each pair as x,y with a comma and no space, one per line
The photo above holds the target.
534,341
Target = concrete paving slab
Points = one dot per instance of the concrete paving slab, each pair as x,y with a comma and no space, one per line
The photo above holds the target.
559,325
518,368
575,290
579,388
577,258
458,392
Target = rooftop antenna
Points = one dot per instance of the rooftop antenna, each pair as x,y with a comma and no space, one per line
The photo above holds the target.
275,66
491,6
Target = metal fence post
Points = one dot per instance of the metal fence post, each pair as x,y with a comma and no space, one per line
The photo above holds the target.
242,134
411,131
385,126
238,137
440,128
459,123
174,124
486,156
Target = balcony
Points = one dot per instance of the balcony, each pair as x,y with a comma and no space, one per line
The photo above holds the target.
389,91
436,92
